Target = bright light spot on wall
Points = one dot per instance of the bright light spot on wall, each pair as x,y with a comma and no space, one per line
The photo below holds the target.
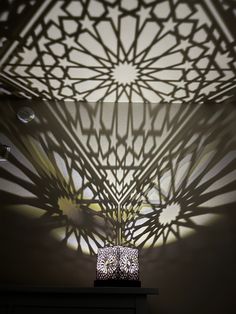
68,207
125,73
169,214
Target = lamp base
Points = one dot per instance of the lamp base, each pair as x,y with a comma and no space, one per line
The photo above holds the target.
117,283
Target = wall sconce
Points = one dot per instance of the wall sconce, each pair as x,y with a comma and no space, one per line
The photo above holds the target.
25,114
4,152
117,266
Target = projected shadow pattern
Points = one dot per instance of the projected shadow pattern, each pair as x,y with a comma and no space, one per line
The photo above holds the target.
47,177
95,178
189,183
126,51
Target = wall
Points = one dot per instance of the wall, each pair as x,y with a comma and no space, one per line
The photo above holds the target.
155,176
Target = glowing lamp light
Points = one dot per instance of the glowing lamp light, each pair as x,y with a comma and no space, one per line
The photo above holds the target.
117,266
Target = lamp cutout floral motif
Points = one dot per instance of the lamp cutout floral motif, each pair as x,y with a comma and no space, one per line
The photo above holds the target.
117,266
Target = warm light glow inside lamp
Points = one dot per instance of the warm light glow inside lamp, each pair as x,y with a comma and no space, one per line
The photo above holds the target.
117,266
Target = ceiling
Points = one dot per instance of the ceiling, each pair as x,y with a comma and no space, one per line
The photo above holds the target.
118,51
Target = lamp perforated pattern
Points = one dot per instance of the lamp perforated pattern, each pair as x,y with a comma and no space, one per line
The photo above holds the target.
129,266
120,263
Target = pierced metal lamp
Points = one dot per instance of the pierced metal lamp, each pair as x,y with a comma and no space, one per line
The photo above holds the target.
117,266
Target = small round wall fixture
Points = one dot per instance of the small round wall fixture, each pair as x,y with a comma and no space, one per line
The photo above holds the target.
25,114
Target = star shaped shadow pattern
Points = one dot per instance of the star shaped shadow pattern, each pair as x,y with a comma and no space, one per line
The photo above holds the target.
169,51
173,170
188,185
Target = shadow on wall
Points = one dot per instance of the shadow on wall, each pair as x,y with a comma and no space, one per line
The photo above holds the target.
31,257
196,274
159,177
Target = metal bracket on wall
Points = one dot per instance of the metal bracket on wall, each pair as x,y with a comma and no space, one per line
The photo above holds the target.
4,152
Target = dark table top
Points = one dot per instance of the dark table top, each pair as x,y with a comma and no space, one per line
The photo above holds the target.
78,290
